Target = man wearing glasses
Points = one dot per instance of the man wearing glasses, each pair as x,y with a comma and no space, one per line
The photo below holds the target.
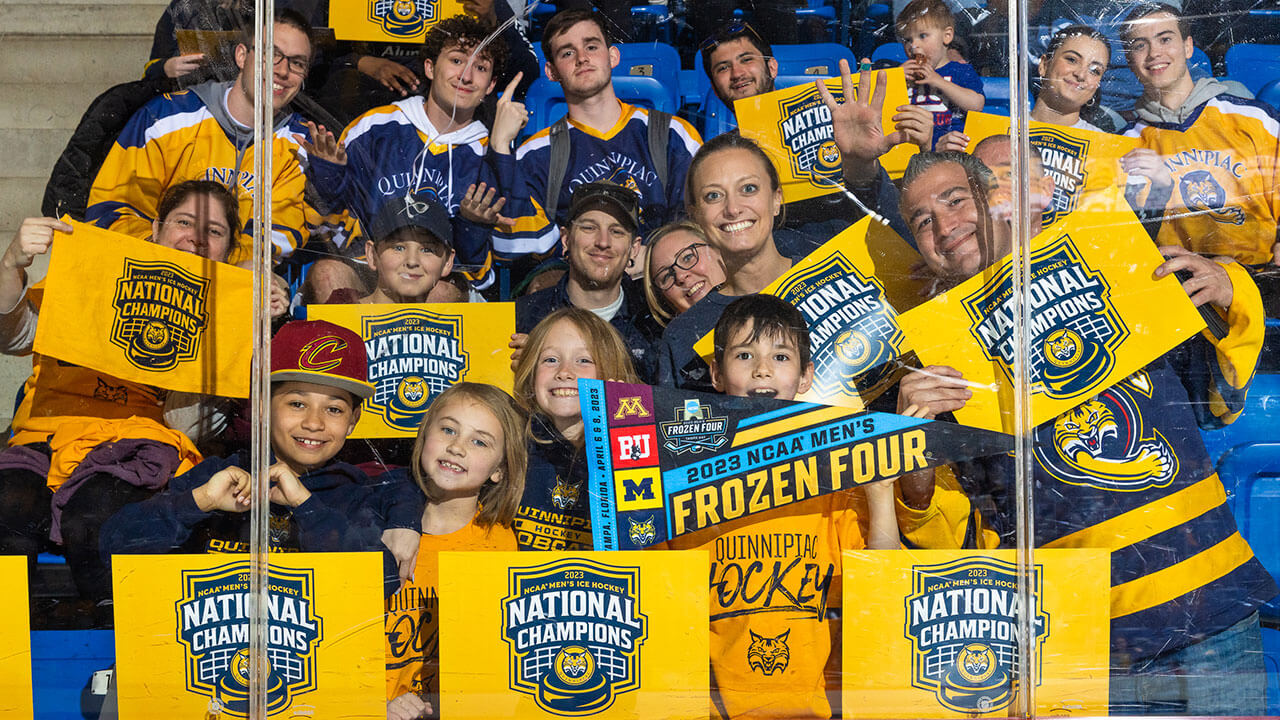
598,239
206,133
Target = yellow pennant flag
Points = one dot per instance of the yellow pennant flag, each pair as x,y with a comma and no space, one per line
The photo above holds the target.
15,634
398,21
854,338
182,635
944,625
1084,165
417,351
1097,316
146,313
619,634
793,126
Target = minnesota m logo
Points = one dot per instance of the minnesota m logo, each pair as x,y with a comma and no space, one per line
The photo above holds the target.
629,406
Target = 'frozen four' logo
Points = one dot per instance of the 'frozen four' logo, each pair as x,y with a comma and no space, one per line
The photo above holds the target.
160,314
852,328
1063,158
1074,329
962,620
695,429
414,355
808,137
213,627
402,18
575,631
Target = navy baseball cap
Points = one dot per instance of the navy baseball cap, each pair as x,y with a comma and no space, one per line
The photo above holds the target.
415,211
620,202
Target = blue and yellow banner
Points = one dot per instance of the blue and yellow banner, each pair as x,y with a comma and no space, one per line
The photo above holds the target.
944,625
793,126
1097,315
15,636
182,635
417,351
666,462
1084,165
584,635
854,337
397,21
166,318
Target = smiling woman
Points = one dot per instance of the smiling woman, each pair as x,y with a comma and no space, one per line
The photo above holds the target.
1071,71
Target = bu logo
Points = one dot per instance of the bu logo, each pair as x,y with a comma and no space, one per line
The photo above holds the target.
634,447
413,356
575,643
630,406
852,330
213,628
962,623
160,314
402,18
1075,330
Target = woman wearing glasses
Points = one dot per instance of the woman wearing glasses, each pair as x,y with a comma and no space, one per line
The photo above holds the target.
680,270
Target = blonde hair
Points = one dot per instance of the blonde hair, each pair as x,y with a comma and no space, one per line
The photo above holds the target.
658,305
498,500
611,356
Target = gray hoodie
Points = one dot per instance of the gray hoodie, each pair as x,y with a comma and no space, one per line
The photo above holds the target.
1150,110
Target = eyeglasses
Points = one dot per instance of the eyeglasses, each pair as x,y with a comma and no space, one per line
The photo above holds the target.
685,260
298,65
732,31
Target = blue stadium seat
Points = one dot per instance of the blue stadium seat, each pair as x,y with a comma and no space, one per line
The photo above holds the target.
716,116
650,60
812,59
1257,422
890,51
62,662
546,99
653,23
812,18
1253,64
1251,475
1270,93
996,92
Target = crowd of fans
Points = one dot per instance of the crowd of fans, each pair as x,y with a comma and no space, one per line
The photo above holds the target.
623,238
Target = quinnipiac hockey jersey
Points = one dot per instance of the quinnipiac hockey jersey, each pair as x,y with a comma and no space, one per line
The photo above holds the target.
394,151
190,136
1223,158
619,154
1128,471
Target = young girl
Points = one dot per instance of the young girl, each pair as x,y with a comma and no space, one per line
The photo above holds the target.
568,344
470,465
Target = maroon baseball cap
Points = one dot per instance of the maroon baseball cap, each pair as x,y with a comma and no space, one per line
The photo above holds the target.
317,351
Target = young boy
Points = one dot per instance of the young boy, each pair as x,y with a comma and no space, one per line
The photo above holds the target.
945,87
318,377
424,145
410,250
769,650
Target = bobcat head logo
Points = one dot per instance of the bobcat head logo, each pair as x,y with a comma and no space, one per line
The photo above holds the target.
976,660
768,654
574,662
1202,193
111,393
642,533
564,494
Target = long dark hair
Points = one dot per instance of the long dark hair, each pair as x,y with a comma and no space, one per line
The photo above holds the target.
1055,44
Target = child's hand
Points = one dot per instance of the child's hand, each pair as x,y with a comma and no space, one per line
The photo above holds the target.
403,544
407,707
286,488
932,390
517,348
916,123
954,141
920,71
227,490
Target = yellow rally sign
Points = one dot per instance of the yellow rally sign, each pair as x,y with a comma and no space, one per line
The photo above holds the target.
546,635
1097,316
944,626
182,635
854,337
417,351
793,126
15,638
167,318
401,21
1084,165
